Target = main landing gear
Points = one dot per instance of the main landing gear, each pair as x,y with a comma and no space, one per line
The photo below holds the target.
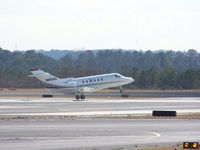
80,97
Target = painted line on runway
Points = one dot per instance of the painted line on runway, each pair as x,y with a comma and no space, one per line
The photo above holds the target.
68,100
144,107
97,113
156,135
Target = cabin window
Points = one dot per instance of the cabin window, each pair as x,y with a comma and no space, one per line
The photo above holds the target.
117,76
83,81
90,80
86,81
97,79
94,80
101,79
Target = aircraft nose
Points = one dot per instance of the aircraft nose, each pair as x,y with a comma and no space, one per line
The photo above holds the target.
129,79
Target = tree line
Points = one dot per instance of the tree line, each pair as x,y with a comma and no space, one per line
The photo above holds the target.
165,79
151,70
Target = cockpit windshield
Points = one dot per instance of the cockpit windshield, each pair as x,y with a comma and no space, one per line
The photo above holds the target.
118,76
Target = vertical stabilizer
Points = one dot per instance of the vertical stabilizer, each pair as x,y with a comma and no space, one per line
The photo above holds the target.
43,76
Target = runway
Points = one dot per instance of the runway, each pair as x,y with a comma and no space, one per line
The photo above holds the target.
93,133
61,123
95,107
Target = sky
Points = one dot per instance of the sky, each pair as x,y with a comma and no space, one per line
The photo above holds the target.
100,24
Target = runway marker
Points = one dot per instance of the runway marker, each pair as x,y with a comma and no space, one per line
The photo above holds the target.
149,138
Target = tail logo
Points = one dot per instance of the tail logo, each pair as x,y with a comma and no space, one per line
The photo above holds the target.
51,79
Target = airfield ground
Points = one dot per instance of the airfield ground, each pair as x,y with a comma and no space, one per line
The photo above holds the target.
178,147
28,121
104,93
38,90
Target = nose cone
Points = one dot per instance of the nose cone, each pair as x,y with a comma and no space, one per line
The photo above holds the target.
129,80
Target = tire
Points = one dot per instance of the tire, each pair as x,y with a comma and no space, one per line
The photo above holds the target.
77,97
121,91
82,96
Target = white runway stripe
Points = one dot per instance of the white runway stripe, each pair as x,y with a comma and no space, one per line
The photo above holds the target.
97,113
70,100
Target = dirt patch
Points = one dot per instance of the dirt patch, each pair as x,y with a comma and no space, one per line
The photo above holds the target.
187,116
107,91
149,91
38,117
178,147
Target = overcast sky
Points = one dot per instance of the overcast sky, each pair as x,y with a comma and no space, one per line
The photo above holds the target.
100,24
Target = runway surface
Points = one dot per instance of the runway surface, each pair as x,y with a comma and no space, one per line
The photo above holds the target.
95,107
61,123
92,133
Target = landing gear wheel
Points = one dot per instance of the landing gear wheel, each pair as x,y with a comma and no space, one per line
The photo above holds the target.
121,90
77,97
82,96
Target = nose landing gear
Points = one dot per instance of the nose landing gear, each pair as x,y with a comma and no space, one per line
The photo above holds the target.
123,93
121,90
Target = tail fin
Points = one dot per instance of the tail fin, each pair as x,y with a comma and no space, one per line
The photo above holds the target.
43,76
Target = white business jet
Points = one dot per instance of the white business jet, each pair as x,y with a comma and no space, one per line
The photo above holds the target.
82,85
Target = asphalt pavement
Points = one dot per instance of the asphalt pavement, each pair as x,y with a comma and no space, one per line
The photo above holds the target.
93,133
62,123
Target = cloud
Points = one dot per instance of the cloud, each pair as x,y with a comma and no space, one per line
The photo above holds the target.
68,24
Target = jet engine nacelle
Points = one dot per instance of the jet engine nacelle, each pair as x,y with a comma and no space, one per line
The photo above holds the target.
68,85
86,90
